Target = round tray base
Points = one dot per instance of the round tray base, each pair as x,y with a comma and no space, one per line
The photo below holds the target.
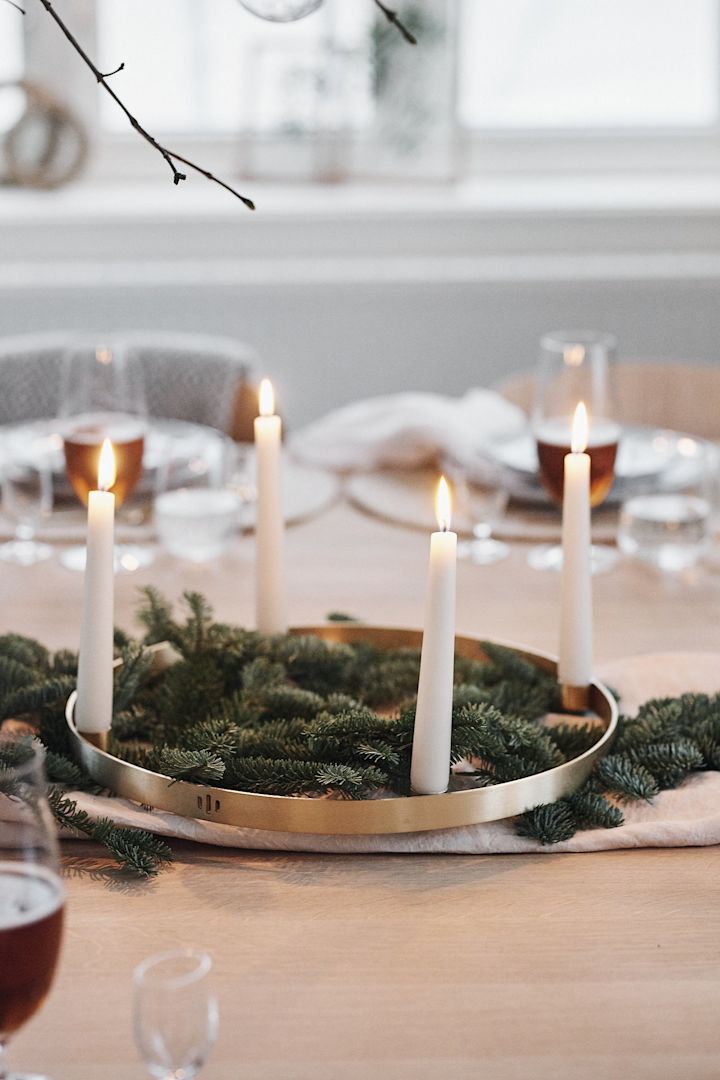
336,817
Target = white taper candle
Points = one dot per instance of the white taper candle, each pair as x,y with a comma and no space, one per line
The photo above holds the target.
93,711
575,650
430,764
270,593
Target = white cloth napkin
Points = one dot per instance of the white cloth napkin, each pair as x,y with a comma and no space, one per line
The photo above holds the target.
406,430
689,816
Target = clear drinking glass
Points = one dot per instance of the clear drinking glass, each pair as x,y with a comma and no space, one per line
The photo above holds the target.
102,395
673,530
479,501
31,892
175,1013
574,366
199,503
26,475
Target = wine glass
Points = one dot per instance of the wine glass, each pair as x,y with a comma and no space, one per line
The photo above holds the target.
175,1013
26,477
31,891
102,395
574,366
479,501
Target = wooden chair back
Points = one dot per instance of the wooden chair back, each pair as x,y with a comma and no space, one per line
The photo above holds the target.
682,397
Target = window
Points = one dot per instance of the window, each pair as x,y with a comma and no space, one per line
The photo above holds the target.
557,64
615,84
11,64
221,69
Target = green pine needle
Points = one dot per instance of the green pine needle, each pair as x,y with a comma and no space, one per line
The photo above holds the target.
199,766
61,770
550,823
293,715
626,779
593,811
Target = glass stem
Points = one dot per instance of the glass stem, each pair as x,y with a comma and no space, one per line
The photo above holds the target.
23,532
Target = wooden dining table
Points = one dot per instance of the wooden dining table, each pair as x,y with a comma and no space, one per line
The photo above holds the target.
410,967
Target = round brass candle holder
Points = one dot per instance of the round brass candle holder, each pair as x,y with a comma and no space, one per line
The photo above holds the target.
298,814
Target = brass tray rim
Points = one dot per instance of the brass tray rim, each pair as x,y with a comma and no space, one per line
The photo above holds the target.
381,816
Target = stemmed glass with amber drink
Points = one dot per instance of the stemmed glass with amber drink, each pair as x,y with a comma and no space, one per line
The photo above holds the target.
102,396
31,891
575,366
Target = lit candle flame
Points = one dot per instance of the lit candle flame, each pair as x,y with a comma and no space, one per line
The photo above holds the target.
107,470
266,398
442,505
574,355
579,438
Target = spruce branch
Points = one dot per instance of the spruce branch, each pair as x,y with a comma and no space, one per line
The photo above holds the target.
34,698
134,849
218,736
669,762
136,722
549,823
200,766
64,662
295,716
61,770
270,776
25,650
574,739
169,156
14,675
281,739
15,752
155,613
626,779
592,811
130,676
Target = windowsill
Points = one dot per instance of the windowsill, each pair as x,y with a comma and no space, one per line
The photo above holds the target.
197,198
565,226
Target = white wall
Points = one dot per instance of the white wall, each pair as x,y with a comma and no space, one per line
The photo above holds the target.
349,298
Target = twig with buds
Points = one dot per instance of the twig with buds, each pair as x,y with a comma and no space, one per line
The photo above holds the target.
392,17
169,155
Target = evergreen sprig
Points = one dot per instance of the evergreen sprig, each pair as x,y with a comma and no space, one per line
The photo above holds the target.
34,686
296,715
134,849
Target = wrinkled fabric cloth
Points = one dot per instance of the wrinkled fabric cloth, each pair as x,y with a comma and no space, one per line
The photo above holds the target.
688,816
407,430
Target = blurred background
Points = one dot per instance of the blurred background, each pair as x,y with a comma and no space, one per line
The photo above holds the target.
423,213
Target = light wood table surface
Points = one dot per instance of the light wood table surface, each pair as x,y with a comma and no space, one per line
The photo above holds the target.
411,966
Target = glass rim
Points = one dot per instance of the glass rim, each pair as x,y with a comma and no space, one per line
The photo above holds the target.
555,340
203,964
35,761
105,338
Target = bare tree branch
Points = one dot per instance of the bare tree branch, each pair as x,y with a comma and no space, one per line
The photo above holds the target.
169,155
107,74
392,17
